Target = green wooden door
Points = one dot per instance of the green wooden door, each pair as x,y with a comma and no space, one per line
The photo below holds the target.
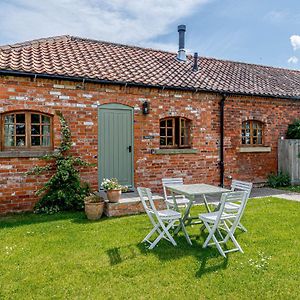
115,143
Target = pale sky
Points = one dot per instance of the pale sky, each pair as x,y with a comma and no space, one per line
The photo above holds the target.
255,31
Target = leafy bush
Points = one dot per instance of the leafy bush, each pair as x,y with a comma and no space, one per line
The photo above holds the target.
293,131
64,190
279,180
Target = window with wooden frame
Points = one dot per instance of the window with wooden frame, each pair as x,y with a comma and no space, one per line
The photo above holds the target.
26,130
175,133
252,133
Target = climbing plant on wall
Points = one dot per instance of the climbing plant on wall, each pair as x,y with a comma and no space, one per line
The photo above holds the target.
64,190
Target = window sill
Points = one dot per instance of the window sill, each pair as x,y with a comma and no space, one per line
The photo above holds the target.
24,153
175,151
255,149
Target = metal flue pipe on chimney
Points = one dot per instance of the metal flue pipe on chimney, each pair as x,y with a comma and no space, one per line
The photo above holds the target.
181,51
195,65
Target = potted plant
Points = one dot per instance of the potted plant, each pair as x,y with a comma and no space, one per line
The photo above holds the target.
113,189
93,206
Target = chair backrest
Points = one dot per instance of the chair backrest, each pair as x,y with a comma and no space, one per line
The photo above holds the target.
238,185
146,194
166,181
239,197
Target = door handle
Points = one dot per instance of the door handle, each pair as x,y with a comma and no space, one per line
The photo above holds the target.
129,148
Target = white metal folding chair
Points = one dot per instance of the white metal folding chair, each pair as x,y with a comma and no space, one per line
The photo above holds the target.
180,199
162,220
237,185
221,220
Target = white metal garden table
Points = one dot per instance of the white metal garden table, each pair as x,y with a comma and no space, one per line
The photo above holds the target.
190,191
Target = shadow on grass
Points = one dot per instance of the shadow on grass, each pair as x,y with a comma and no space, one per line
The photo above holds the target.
210,260
119,254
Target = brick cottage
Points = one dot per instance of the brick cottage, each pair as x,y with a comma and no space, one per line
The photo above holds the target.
138,114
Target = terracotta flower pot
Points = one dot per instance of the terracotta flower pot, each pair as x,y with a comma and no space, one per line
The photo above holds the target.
93,210
114,195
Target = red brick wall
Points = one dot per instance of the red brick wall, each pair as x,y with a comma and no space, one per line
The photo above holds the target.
275,114
79,105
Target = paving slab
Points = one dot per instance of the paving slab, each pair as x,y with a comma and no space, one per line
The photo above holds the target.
271,192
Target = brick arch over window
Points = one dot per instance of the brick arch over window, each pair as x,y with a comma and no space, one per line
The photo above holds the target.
175,132
26,130
252,133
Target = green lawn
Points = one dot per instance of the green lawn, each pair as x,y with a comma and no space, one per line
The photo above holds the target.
64,256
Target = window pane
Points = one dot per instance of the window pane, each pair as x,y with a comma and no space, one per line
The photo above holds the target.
163,141
259,140
182,131
9,119
35,141
45,140
9,130
46,130
9,135
184,140
9,141
254,140
35,129
162,131
45,120
20,129
169,141
169,131
20,141
20,118
254,132
163,123
35,118
169,123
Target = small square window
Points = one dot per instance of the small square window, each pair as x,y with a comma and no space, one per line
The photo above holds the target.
175,133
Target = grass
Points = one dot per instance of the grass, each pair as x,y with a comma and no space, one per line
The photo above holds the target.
64,256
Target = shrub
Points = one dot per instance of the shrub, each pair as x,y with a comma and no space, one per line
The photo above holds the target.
293,131
64,190
279,180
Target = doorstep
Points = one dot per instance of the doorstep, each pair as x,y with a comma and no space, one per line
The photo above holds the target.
129,204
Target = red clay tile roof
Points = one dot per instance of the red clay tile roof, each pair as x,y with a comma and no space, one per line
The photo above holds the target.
83,58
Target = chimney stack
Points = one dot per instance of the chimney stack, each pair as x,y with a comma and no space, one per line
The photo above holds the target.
195,65
181,51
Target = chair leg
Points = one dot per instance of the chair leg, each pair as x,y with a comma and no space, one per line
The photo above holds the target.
210,234
218,246
231,236
185,232
215,240
156,228
242,227
164,232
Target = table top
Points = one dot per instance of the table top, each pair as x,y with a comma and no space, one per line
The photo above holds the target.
195,189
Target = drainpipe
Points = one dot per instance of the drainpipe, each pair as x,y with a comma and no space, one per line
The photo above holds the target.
221,163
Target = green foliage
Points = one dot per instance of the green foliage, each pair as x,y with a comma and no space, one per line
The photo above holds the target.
293,131
279,180
64,190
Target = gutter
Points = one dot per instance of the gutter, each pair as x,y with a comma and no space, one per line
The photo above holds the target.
221,163
133,84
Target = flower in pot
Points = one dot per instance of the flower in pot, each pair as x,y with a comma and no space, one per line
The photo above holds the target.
113,189
93,206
